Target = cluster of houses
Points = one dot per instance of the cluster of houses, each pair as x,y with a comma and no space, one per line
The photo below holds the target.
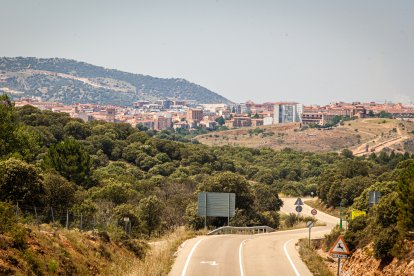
187,114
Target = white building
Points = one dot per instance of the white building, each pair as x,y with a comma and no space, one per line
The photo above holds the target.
287,112
267,121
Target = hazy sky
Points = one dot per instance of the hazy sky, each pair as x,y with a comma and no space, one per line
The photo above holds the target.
307,51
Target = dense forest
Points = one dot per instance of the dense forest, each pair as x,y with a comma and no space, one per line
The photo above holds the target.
110,171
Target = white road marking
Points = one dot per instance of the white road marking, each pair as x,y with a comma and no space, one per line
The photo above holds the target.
213,263
290,260
241,257
189,256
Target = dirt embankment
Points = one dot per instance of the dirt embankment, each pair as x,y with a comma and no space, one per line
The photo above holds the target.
362,262
52,251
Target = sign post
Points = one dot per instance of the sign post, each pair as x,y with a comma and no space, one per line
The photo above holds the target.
339,250
126,220
298,204
216,205
309,224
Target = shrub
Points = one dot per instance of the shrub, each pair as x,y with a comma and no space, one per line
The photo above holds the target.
355,232
52,266
384,242
332,237
139,248
291,220
7,217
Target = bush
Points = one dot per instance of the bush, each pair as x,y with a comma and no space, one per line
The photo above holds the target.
139,248
332,237
384,242
291,220
355,233
7,217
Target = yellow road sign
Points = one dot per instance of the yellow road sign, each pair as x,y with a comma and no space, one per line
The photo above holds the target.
357,213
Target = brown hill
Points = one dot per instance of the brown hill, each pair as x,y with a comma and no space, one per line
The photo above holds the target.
362,136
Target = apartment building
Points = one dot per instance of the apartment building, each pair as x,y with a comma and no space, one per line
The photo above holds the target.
242,122
287,112
194,115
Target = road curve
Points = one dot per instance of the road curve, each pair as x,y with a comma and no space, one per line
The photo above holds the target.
245,255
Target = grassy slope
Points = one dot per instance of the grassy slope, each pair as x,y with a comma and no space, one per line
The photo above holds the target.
317,204
52,251
161,257
57,251
312,259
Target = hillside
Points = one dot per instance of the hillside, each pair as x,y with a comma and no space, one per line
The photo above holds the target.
357,135
113,178
52,251
70,81
363,263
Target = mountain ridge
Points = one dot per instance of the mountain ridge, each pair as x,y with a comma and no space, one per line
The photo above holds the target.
69,81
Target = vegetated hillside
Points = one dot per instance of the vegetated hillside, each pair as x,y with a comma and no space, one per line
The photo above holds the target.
62,171
27,250
362,136
70,81
363,262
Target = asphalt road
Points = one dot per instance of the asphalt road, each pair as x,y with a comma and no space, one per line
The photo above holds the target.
245,255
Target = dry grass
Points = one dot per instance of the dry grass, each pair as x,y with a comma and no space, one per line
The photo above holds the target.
161,256
312,259
317,204
53,251
352,135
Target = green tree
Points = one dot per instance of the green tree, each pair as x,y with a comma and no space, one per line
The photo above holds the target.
60,193
71,161
266,198
8,124
405,171
21,182
77,130
150,209
115,191
220,120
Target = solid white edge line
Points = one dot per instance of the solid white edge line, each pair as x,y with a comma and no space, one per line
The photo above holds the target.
189,257
290,260
241,256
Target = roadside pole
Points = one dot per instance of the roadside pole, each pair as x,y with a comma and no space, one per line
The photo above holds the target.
205,204
339,267
309,224
339,250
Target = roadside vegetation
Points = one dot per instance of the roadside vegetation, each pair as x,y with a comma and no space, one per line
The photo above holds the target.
312,259
294,221
319,205
128,182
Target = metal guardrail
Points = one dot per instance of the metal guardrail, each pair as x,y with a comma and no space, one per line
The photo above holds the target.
241,230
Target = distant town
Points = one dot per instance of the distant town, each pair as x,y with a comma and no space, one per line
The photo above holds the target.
187,114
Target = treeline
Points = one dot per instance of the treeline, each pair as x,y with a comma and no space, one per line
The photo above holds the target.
49,159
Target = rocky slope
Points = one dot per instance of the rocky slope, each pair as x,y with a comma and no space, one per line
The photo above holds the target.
362,262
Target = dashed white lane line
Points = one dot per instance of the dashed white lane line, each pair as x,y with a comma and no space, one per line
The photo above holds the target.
290,259
189,256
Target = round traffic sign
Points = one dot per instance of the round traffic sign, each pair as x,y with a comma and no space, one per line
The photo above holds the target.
298,208
314,212
309,224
